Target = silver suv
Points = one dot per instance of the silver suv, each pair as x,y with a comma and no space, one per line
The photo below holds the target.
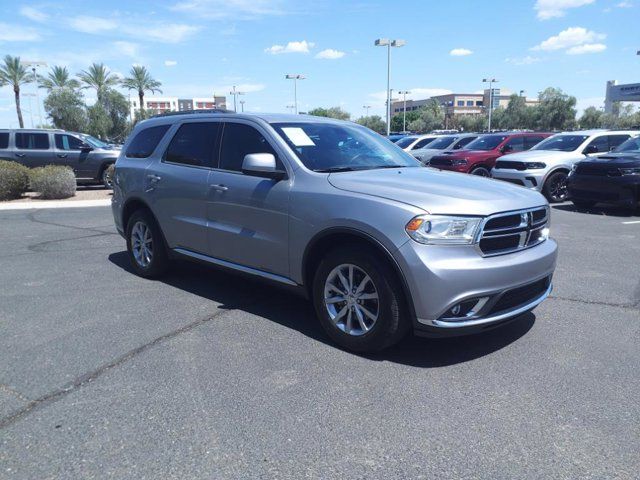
380,244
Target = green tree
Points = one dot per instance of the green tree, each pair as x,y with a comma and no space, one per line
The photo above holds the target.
14,74
592,117
99,123
117,107
373,122
57,78
333,112
141,81
99,78
398,121
556,110
430,117
517,113
469,123
65,107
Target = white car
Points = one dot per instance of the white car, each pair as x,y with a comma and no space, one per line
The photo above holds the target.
415,142
546,166
444,143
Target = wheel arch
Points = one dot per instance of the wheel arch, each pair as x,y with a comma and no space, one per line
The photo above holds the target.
330,238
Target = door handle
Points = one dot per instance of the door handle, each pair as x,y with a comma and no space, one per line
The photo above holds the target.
20,155
62,155
154,178
220,188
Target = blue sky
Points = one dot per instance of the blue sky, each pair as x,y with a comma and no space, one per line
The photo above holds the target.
198,47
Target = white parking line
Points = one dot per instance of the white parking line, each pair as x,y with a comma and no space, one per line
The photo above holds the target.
37,204
631,223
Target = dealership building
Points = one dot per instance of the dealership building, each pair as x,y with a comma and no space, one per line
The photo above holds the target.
160,105
620,93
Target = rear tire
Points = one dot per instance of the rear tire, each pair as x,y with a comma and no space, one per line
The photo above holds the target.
145,245
105,178
370,316
555,188
481,172
583,203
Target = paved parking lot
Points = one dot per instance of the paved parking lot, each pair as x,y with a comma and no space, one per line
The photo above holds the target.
208,375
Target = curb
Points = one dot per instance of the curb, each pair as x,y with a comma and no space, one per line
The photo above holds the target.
41,204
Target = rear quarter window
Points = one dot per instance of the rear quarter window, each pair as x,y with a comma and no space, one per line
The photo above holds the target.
146,141
32,141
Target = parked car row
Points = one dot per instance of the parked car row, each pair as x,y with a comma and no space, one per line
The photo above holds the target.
86,155
544,162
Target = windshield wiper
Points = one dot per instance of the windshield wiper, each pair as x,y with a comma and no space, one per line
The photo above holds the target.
339,169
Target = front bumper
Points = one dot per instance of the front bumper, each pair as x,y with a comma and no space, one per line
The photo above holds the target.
533,179
441,277
623,190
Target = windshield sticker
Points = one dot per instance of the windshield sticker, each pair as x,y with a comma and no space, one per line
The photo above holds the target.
298,137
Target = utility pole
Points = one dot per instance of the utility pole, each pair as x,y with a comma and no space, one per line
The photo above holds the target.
385,42
404,94
490,81
295,77
235,94
33,65
242,102
366,109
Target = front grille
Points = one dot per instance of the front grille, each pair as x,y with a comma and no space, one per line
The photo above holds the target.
517,297
440,162
509,232
511,165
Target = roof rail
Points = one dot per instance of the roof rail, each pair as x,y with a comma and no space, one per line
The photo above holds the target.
188,112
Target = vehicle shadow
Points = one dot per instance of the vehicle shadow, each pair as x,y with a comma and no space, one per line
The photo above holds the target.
604,210
233,291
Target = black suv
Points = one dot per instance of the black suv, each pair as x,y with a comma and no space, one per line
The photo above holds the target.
87,156
610,178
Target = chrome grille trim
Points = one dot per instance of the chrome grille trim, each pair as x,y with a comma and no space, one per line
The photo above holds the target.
522,232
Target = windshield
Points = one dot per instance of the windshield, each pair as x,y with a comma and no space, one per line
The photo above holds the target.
441,143
561,143
486,142
406,141
326,147
631,145
94,142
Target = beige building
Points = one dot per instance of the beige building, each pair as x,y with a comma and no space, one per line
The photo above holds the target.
174,104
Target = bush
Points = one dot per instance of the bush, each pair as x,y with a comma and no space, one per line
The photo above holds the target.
53,181
14,180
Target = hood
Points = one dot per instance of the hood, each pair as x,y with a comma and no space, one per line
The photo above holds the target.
469,154
439,192
615,159
427,153
542,155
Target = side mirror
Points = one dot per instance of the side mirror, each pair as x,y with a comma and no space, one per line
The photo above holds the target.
262,165
85,147
590,149
506,148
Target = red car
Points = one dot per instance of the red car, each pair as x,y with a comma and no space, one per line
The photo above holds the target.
479,156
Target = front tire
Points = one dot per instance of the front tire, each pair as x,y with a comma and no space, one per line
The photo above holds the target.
357,300
481,172
105,177
145,245
555,188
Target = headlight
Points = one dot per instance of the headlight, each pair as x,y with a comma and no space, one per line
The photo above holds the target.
460,161
534,165
443,230
630,171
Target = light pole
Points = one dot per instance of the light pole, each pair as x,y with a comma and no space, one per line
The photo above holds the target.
366,109
385,42
295,77
235,94
30,108
404,94
33,65
490,81
242,102
292,107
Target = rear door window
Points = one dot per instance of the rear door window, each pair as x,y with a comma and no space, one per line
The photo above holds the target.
531,141
4,140
239,140
463,142
146,141
32,141
516,144
422,143
68,142
194,144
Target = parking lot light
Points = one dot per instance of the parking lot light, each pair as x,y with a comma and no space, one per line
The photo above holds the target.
295,77
404,94
385,42
490,81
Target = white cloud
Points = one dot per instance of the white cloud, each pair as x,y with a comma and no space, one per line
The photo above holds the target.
89,24
217,9
417,93
167,33
170,63
460,52
33,14
526,60
330,54
127,49
291,47
547,9
243,87
624,5
16,33
587,48
571,37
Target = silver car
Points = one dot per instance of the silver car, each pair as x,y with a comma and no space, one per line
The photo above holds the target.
445,143
380,244
546,166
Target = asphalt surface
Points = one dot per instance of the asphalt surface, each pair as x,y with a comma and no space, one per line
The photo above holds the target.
209,375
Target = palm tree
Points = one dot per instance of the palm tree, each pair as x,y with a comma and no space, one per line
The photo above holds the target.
98,77
15,74
141,81
58,77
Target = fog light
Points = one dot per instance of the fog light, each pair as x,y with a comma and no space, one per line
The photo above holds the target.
465,309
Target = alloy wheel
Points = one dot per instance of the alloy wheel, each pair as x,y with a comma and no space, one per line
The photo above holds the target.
142,244
351,299
558,189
